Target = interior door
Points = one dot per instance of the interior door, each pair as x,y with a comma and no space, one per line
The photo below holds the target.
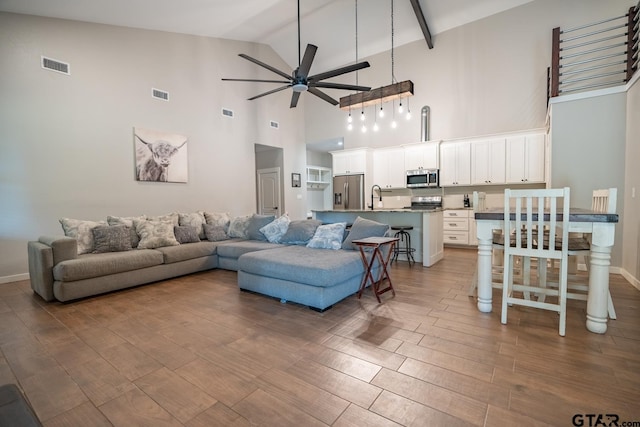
269,201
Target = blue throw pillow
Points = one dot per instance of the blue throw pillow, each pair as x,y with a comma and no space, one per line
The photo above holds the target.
300,232
256,223
363,228
328,236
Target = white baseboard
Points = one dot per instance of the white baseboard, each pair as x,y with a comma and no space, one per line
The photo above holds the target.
633,280
14,278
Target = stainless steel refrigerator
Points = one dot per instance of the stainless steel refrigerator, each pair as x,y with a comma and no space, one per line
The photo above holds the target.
348,192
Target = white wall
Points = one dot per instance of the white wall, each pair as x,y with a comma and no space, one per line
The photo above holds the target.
631,237
485,77
588,151
67,141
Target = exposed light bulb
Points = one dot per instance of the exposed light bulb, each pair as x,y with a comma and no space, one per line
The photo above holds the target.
381,113
375,127
349,119
408,114
362,116
350,126
363,129
394,124
400,109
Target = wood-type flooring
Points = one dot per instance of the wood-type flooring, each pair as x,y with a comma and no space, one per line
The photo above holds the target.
196,351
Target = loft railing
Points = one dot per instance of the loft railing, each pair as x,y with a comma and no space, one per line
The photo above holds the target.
601,54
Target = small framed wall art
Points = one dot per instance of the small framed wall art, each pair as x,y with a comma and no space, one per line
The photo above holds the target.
295,180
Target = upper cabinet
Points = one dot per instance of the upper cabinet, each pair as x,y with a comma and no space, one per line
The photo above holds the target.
348,162
488,162
525,158
389,167
455,163
421,156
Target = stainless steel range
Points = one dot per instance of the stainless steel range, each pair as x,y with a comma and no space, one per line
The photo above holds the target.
425,202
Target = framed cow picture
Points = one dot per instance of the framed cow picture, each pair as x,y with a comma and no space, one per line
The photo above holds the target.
160,156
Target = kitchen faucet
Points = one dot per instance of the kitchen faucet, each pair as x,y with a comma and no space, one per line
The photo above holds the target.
379,192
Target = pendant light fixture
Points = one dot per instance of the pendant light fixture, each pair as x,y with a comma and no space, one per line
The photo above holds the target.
395,91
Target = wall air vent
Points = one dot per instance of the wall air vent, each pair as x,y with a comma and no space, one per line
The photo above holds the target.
227,112
274,125
160,94
55,65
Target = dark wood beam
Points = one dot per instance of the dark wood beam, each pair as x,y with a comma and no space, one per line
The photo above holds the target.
423,22
380,95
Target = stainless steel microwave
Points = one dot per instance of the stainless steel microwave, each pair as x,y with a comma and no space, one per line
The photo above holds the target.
423,178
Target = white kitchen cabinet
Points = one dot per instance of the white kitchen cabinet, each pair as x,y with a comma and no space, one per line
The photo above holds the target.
432,238
525,158
459,227
350,161
388,168
455,164
421,156
488,162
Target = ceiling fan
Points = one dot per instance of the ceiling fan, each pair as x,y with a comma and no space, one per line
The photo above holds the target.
300,80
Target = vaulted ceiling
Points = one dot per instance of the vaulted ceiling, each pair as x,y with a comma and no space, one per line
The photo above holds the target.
329,24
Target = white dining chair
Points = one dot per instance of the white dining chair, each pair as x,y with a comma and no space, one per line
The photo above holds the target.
529,212
603,201
480,205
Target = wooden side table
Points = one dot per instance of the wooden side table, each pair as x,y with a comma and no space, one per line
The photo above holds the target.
377,243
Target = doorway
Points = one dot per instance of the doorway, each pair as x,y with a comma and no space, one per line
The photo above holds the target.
269,180
269,198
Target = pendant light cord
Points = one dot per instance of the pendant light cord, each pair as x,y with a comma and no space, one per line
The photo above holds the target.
393,76
356,1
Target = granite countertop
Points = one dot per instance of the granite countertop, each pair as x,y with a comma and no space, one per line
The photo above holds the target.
379,210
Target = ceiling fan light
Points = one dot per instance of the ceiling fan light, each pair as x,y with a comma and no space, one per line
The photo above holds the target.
299,87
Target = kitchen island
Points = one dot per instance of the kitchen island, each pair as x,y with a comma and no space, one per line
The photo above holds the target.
426,236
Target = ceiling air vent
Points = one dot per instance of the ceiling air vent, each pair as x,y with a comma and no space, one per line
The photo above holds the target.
274,125
160,94
55,65
227,113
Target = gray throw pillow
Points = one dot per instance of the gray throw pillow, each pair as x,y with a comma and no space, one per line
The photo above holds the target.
115,238
194,219
215,233
256,223
328,236
238,227
186,234
81,231
300,232
128,221
363,228
155,234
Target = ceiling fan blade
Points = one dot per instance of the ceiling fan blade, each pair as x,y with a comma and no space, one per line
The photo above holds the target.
294,99
322,95
328,85
267,66
339,71
305,66
255,80
269,92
